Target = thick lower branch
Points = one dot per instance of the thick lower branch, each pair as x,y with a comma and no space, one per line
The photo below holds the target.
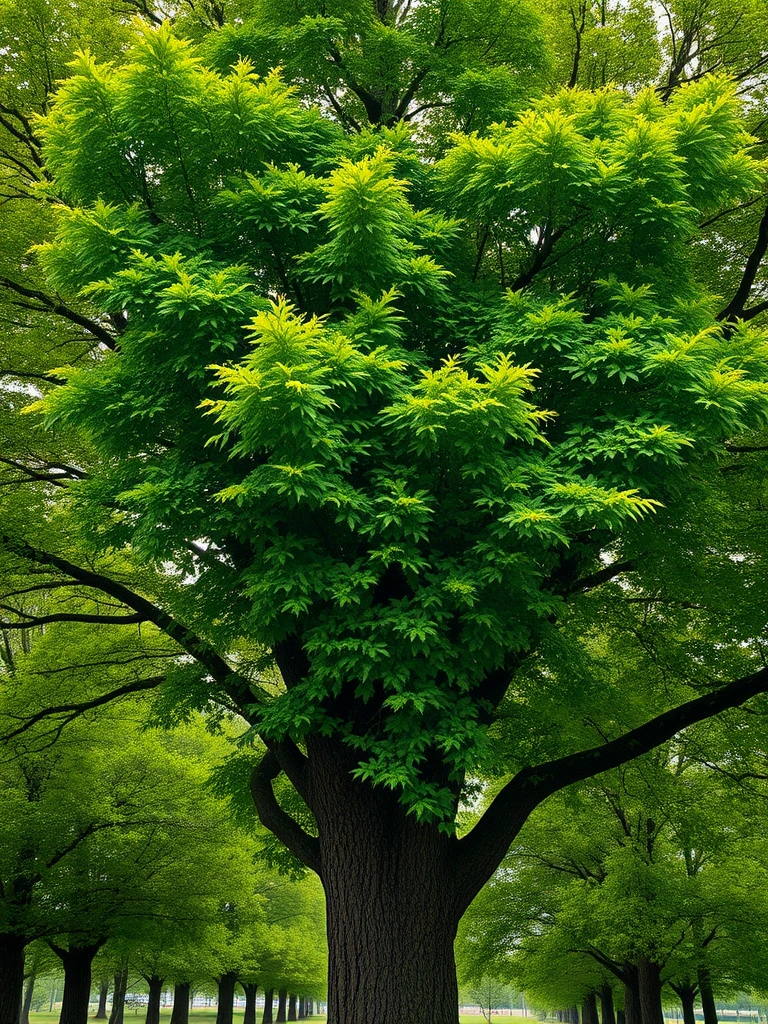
481,851
272,816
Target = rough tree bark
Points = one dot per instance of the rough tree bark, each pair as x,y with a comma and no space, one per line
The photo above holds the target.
155,984
269,998
632,1010
589,1009
11,977
118,996
249,1015
226,985
101,1012
392,903
282,999
649,986
707,996
607,1012
180,1011
27,1004
687,995
77,963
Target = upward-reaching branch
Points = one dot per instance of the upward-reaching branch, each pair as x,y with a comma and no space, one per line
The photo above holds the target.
737,307
483,848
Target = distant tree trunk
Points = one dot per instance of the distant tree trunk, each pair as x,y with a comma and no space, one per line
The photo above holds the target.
621,1017
282,997
292,1007
118,996
101,1012
11,977
310,1007
27,1004
77,963
180,1011
302,1008
226,985
249,1016
649,986
153,1003
707,997
589,1009
573,1015
607,1013
687,995
269,998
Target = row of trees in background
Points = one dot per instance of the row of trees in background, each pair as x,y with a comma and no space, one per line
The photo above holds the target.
116,850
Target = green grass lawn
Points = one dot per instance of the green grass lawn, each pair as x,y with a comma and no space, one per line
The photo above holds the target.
202,1015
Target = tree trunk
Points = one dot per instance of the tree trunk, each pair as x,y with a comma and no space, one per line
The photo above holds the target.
394,896
118,996
649,984
282,997
589,1009
687,994
607,1013
77,982
302,1008
249,1015
101,1012
292,1007
226,985
27,1004
180,1011
153,1003
573,1015
11,977
706,995
632,1011
269,998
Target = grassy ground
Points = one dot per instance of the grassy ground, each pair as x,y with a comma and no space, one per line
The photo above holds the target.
201,1015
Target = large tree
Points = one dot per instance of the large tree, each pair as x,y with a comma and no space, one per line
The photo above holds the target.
368,524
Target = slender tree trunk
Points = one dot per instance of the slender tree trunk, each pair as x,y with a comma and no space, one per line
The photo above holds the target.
310,1007
707,996
77,982
118,996
607,1013
153,1003
249,1016
589,1009
649,984
269,998
11,977
27,1004
226,985
101,1012
180,1011
573,1015
282,998
302,1008
687,994
292,1007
